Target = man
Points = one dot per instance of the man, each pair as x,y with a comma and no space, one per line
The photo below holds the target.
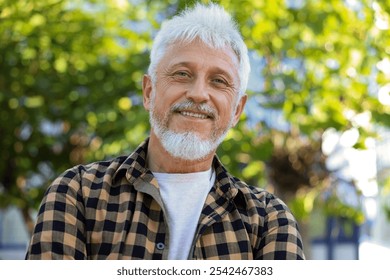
172,198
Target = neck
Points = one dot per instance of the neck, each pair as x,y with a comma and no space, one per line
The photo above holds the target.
159,160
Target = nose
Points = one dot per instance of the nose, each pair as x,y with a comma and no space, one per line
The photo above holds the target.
198,91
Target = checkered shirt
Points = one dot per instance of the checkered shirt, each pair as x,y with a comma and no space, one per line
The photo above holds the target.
113,210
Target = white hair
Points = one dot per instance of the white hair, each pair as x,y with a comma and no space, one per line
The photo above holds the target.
213,26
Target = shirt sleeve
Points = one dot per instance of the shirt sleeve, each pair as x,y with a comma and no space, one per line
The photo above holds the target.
280,238
59,231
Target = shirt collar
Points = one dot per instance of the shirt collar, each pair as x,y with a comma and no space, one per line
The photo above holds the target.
134,168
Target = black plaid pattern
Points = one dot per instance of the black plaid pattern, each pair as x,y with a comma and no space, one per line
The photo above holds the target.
113,210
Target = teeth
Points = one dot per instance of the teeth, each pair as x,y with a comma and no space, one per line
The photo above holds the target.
195,115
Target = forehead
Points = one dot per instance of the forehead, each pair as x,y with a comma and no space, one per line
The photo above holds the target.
201,55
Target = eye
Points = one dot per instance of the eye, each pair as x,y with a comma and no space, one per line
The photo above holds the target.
181,74
220,81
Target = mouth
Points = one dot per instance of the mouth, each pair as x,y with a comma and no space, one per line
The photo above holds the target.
197,115
195,111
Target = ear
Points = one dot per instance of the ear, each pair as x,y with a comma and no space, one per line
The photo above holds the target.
239,108
147,87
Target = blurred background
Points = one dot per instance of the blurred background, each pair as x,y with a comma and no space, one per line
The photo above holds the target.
316,129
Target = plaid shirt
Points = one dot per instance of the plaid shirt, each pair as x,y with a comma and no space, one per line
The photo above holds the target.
113,210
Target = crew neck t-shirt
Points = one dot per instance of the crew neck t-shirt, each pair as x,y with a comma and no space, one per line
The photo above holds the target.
183,195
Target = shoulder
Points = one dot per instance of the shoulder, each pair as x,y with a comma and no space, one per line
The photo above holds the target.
258,198
249,198
100,169
90,174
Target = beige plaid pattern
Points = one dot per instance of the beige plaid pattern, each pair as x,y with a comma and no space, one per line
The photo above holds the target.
113,210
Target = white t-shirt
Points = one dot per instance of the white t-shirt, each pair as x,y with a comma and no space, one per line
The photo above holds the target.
183,196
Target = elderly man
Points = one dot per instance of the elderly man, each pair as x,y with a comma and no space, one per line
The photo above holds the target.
172,198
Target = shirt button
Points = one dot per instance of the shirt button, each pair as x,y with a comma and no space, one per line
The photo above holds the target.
160,246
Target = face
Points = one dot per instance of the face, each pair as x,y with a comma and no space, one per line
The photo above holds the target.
194,100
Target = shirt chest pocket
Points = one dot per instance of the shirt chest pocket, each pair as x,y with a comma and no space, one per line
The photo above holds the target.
224,240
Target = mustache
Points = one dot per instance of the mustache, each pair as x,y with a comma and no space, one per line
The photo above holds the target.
196,107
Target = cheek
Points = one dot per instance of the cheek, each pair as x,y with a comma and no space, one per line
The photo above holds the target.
225,106
161,106
165,86
166,92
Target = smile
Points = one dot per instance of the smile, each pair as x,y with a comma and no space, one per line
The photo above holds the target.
194,115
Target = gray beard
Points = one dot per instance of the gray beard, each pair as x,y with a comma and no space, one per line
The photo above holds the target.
187,145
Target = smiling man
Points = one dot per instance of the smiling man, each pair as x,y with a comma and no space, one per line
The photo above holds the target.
172,198
193,103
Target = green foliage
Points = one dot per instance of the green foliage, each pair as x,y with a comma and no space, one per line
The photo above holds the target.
325,63
70,78
385,197
333,206
71,73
